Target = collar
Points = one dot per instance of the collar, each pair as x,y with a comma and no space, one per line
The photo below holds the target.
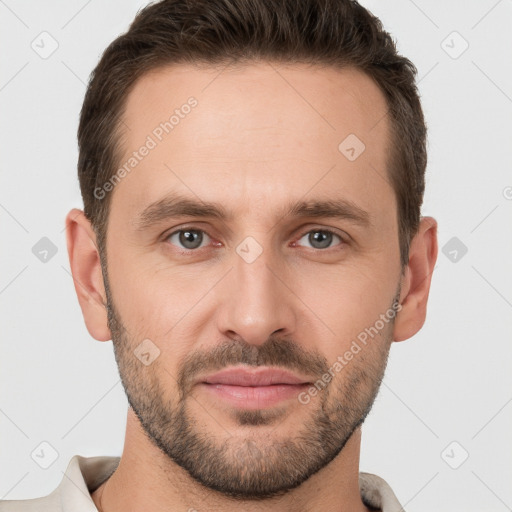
85,474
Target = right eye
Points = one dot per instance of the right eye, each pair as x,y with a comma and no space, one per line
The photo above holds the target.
187,238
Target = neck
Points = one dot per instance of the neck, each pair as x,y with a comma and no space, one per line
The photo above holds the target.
146,479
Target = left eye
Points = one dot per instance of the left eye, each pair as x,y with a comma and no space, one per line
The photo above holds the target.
320,238
189,239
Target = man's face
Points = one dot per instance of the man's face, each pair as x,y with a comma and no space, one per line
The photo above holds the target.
262,286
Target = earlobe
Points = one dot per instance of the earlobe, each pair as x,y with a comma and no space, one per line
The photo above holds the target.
87,275
416,281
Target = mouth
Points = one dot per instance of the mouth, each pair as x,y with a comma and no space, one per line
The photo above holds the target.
254,389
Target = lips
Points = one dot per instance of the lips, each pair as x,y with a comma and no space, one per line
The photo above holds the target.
255,377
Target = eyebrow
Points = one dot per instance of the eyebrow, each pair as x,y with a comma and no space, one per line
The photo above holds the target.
175,205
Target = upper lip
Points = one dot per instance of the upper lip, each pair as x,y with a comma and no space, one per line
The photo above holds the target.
257,377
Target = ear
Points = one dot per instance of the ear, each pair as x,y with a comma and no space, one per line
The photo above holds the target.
416,281
84,260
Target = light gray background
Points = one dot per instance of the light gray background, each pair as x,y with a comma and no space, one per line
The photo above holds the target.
451,382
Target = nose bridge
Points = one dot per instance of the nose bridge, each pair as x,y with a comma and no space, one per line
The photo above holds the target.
256,303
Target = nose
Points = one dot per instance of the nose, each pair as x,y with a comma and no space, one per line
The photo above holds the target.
257,300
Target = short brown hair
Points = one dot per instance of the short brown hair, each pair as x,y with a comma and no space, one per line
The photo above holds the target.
338,33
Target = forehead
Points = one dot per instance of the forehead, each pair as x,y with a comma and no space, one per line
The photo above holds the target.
254,134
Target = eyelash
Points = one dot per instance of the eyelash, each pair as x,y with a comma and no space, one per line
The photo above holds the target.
343,240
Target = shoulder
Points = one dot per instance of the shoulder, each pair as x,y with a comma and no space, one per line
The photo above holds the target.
48,503
376,492
83,475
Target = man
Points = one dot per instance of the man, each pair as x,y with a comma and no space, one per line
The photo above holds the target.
251,241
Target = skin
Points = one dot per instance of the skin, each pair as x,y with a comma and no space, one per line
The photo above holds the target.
253,143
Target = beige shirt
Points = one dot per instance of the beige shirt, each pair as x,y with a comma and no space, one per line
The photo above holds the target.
85,474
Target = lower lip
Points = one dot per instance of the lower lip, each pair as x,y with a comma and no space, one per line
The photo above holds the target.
254,397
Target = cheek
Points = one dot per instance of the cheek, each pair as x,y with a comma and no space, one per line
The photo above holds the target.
347,298
154,299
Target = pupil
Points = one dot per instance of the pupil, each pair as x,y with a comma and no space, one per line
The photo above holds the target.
190,238
320,237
